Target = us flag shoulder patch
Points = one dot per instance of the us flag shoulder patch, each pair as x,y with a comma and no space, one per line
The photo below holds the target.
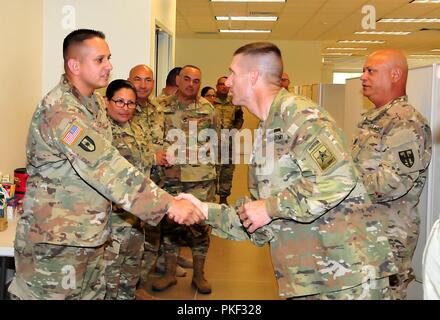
72,134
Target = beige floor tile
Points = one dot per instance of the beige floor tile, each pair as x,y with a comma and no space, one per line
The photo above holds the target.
236,269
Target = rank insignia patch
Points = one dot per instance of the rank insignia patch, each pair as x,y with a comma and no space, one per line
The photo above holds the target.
72,134
87,144
322,155
407,157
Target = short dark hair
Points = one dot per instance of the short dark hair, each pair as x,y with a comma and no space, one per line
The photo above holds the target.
222,77
205,90
116,85
259,48
78,36
265,49
171,77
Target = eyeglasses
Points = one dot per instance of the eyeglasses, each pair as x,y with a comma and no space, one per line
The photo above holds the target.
121,103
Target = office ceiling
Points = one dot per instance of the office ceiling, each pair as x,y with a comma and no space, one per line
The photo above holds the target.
326,21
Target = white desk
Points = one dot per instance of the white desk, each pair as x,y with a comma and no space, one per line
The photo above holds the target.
6,250
7,239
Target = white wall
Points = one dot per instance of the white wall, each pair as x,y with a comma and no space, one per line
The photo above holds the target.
20,76
302,59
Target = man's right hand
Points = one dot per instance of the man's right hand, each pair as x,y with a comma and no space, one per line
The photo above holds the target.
184,212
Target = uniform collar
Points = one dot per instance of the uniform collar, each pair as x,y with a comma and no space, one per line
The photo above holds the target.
378,112
91,103
276,105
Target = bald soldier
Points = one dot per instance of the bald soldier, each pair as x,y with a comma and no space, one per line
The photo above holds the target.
148,112
393,150
74,175
326,241
149,115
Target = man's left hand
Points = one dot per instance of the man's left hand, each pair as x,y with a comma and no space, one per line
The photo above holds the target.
253,215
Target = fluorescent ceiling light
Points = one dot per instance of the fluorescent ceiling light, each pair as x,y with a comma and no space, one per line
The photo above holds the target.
244,31
345,48
361,41
425,1
338,54
389,33
224,18
425,55
435,50
248,0
405,20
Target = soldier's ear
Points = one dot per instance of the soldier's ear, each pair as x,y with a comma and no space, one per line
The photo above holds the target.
254,75
74,66
396,74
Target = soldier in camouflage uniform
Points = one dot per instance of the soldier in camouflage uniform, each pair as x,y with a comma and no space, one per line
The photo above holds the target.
170,83
186,111
229,117
393,151
123,255
325,238
150,116
74,174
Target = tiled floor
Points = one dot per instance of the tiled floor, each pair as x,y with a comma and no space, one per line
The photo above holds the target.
235,269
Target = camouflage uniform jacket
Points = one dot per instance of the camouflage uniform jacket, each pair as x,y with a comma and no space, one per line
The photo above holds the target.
393,151
228,115
129,138
74,173
151,118
324,235
198,154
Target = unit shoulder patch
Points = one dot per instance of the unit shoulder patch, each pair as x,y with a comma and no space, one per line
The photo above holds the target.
321,154
407,157
72,134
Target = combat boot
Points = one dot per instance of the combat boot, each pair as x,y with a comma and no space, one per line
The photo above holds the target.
142,294
198,280
223,200
160,267
184,262
169,278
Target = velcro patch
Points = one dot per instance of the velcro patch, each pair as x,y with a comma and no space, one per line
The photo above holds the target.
321,154
407,157
72,134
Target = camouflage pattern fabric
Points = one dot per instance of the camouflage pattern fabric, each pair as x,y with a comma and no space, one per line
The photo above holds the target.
178,116
371,290
150,117
392,151
197,236
324,235
56,272
197,179
123,254
230,117
123,262
74,174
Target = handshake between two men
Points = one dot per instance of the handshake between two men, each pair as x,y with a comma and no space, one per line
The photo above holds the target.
187,209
